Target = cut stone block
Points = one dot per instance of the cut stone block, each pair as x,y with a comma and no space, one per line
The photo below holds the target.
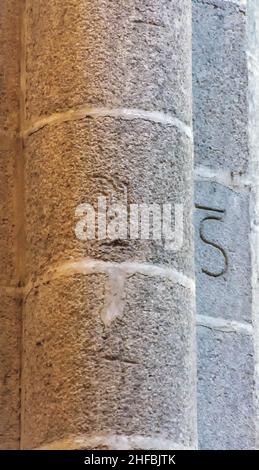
10,349
134,376
220,81
223,256
8,150
9,65
225,390
136,54
133,161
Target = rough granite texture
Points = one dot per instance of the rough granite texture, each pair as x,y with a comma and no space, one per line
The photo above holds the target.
220,78
128,162
225,390
220,93
118,54
231,257
134,376
10,311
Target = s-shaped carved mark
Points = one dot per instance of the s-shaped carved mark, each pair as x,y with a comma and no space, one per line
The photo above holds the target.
219,248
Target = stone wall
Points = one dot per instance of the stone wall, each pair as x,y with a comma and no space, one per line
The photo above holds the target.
224,187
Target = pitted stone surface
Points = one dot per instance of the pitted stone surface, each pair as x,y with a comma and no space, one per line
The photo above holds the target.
9,65
8,150
225,390
132,377
220,81
127,162
10,348
223,257
120,54
223,224
131,371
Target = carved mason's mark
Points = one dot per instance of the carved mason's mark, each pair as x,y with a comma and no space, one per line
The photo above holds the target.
207,208
205,240
215,245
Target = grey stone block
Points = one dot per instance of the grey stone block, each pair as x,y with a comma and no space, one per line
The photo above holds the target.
223,254
220,81
225,391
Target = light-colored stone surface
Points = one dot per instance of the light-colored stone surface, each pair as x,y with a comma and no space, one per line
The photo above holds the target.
108,348
225,390
132,162
10,315
129,378
253,67
108,53
126,367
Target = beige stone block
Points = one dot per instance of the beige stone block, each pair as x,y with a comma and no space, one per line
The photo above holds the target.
9,65
10,335
8,151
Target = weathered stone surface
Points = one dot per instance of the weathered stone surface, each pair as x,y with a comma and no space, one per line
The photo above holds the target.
220,80
129,161
253,67
223,244
132,54
9,65
9,114
134,376
10,311
8,149
225,390
223,253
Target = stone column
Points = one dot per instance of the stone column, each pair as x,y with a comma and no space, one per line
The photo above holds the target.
10,210
108,325
225,180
